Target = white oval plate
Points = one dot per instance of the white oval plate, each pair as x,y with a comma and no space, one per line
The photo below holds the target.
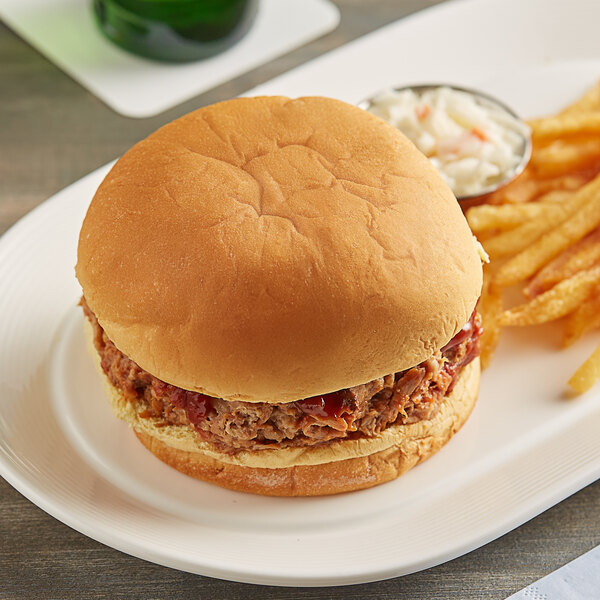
525,447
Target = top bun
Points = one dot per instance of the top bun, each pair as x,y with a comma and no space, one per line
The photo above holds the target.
268,250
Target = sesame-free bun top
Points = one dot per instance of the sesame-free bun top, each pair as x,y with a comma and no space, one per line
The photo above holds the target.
267,250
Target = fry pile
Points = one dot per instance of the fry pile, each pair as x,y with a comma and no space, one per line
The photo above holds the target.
542,232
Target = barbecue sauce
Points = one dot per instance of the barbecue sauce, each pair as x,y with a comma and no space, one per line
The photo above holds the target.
473,325
197,406
327,406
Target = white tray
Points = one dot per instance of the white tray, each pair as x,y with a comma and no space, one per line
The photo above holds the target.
526,446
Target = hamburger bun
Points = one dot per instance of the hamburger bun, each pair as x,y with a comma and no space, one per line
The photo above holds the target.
268,250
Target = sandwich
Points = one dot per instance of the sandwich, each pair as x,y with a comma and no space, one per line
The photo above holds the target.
280,296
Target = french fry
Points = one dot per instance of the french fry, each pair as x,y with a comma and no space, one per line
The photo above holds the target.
504,216
526,188
551,244
511,242
556,196
561,157
566,125
582,255
556,302
589,102
490,308
546,224
587,374
584,319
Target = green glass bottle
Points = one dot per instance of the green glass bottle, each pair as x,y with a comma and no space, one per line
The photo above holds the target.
175,30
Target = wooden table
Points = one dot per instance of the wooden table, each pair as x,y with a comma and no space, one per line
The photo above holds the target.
52,132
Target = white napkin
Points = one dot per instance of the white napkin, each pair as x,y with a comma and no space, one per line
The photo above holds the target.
577,580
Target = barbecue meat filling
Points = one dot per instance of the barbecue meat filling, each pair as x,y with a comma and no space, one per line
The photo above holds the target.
230,426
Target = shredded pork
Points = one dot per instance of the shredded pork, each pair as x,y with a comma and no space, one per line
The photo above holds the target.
364,410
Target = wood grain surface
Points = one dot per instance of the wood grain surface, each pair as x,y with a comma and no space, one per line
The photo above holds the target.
52,132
